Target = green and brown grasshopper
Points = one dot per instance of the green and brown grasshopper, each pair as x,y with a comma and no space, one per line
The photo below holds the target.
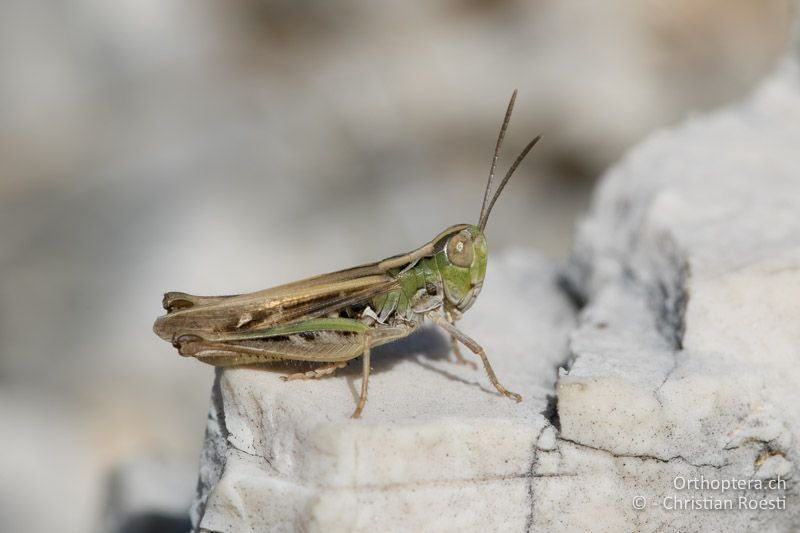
336,317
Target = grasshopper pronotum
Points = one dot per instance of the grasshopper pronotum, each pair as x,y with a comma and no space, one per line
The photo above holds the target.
336,317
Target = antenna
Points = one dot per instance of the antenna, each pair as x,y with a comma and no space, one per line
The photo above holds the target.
500,137
487,206
517,161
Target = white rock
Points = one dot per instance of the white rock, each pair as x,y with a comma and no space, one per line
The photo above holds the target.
686,356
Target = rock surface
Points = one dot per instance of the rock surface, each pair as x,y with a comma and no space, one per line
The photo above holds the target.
682,372
437,447
685,359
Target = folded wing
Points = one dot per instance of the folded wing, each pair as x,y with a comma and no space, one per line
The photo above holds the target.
211,317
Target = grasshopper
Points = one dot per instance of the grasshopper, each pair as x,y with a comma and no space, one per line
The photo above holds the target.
333,318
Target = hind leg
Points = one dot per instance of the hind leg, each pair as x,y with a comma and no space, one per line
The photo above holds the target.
315,373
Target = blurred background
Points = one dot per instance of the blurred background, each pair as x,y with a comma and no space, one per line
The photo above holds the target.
220,147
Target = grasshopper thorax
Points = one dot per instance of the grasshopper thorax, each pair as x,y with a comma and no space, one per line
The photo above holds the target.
461,256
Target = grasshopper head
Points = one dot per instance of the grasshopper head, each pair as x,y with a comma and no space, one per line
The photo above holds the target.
461,257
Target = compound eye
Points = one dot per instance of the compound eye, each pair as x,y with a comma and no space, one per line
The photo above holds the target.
459,250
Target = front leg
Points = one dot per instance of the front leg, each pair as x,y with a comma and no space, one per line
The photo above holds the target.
457,352
477,350
451,317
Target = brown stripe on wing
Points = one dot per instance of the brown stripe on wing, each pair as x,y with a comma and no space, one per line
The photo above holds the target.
321,307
